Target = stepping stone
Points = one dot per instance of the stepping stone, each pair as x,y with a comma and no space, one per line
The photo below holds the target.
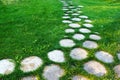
88,25
65,9
56,56
69,12
95,68
117,70
66,14
90,44
67,43
78,54
96,32
78,36
71,7
76,19
66,17
74,10
94,37
31,63
74,25
7,66
30,78
84,30
84,17
118,56
67,21
104,57
88,21
69,31
53,72
79,77
80,6
75,14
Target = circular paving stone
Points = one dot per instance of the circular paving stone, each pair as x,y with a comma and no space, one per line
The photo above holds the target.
84,17
117,70
30,78
30,64
79,12
69,30
53,72
69,12
95,68
67,43
78,36
71,7
94,37
74,25
104,56
66,17
89,21
56,56
65,9
84,30
7,66
76,19
67,21
80,6
79,77
78,54
118,56
75,14
88,25
66,14
90,44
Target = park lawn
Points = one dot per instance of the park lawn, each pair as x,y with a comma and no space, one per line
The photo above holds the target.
33,28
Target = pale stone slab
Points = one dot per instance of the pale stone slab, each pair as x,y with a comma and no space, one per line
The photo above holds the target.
67,21
88,21
84,30
117,70
88,25
69,31
31,63
7,66
78,36
76,19
67,43
84,17
75,14
95,68
78,54
118,56
79,77
74,25
30,78
56,56
90,44
104,57
66,17
95,37
53,72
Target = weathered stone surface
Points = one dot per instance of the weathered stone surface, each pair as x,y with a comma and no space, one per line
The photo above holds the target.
90,44
69,31
104,57
94,37
74,25
88,25
78,54
67,21
78,36
95,68
84,30
30,78
117,70
79,77
76,19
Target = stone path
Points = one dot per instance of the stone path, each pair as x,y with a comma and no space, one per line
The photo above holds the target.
76,21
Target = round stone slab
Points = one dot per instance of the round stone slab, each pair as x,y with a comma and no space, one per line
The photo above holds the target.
88,21
65,9
104,57
78,36
94,37
90,44
67,21
85,17
84,30
67,43
66,17
74,25
88,25
79,77
69,31
76,19
80,6
95,68
30,78
75,14
118,56
31,63
53,72
56,56
79,12
78,54
7,66
117,70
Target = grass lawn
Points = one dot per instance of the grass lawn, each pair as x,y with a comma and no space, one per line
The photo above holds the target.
33,28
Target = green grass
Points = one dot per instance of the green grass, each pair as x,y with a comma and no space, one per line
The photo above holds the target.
33,28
